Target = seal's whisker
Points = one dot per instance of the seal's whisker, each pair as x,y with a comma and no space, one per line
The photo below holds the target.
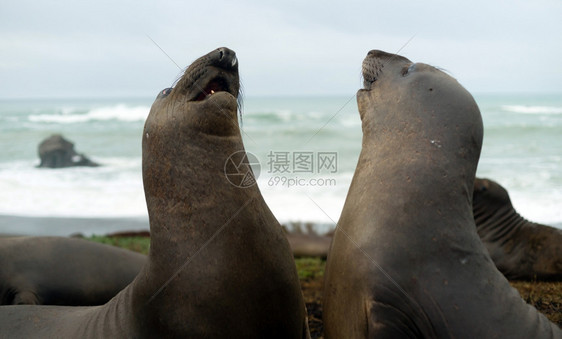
178,78
232,121
361,77
446,71
395,55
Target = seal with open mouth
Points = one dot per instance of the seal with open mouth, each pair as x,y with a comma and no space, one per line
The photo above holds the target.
219,265
406,260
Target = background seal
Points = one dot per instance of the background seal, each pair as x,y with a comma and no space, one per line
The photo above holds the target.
521,249
63,271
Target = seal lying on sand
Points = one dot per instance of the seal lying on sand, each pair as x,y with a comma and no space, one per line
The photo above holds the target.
521,250
406,260
219,265
63,271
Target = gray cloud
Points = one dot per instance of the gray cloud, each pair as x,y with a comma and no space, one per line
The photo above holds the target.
67,48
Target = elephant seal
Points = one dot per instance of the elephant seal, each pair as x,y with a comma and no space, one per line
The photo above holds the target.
521,250
63,271
406,260
219,265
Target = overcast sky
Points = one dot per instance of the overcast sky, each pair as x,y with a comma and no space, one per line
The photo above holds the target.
73,48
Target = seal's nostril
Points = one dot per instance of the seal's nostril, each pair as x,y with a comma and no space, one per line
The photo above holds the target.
221,54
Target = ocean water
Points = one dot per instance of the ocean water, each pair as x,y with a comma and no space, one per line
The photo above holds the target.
306,150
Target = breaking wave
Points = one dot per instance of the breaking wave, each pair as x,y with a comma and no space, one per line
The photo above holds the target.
119,112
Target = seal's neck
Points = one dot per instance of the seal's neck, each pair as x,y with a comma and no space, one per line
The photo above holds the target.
413,184
181,178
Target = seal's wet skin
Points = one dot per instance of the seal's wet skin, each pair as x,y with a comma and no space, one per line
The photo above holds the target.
219,265
406,260
521,250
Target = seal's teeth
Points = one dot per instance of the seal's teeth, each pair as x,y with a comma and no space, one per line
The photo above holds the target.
212,92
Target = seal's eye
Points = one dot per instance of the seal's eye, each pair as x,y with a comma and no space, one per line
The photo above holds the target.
164,93
406,71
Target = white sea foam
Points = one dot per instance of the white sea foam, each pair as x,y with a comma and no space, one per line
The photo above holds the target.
119,112
538,206
112,190
319,204
523,109
350,120
115,190
284,115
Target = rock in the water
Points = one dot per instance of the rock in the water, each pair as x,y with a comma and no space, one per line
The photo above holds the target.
57,152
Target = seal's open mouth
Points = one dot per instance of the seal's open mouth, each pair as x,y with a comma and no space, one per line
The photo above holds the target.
215,72
214,86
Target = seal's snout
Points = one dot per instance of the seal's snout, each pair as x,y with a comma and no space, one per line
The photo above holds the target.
214,72
372,67
226,58
374,63
375,53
